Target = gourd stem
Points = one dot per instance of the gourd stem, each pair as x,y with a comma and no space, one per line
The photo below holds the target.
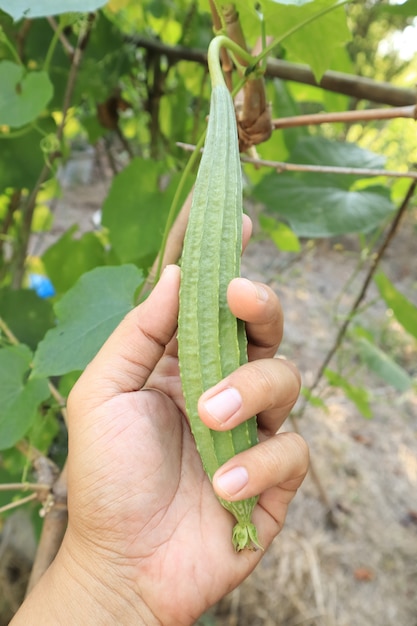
213,57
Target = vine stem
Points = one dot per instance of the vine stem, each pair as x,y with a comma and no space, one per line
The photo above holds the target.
24,487
213,57
217,78
58,29
8,332
14,505
175,202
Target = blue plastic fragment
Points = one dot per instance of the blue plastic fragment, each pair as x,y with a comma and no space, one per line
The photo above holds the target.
42,285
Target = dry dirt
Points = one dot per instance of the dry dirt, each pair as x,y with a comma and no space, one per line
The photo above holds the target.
361,570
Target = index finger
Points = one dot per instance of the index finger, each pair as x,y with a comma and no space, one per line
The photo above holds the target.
258,306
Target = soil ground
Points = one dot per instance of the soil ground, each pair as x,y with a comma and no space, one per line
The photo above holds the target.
360,567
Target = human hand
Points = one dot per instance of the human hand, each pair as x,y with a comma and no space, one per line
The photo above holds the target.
147,537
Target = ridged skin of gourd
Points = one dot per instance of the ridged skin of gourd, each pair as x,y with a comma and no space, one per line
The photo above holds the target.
211,341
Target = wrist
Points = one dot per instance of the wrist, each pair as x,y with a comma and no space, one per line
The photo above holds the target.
69,593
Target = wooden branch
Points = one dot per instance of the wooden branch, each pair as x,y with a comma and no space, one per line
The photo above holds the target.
282,166
328,169
365,115
25,487
7,332
64,41
55,515
351,85
14,505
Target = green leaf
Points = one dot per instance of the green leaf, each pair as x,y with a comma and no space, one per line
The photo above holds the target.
23,95
67,259
27,315
41,8
19,397
358,395
405,311
87,315
325,205
282,236
44,430
135,211
284,105
313,399
314,43
21,158
405,9
383,366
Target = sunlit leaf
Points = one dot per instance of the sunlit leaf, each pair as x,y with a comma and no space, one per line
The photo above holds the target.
404,310
313,43
405,9
40,8
282,236
23,95
358,395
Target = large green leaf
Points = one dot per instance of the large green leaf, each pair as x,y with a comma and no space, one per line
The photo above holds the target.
135,211
282,236
405,9
86,315
19,397
383,366
40,8
67,259
404,310
325,205
284,105
23,95
21,158
314,43
27,315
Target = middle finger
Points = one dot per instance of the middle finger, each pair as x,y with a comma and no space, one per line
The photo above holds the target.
267,388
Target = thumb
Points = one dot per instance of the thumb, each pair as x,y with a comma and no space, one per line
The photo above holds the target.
130,354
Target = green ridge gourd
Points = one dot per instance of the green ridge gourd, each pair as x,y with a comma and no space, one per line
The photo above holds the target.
211,341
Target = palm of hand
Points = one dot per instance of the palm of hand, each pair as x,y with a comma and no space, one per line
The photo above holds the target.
151,505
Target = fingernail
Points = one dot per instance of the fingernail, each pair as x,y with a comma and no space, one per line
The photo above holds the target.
224,404
261,293
233,481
